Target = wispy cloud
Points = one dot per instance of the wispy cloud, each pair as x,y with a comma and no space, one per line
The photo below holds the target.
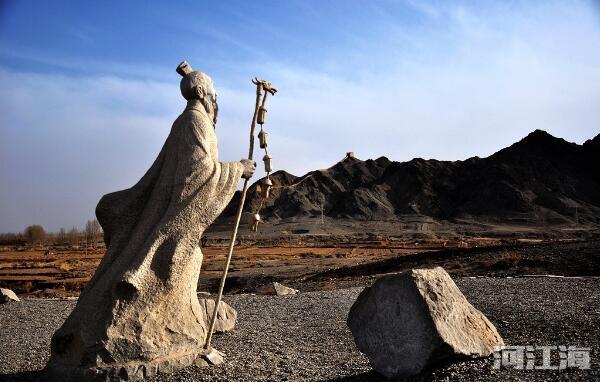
458,82
85,66
66,141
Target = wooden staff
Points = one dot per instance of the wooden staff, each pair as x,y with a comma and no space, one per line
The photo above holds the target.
260,86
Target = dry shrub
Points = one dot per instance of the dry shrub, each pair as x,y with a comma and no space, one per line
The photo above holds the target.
19,286
453,266
505,261
70,266
65,267
73,287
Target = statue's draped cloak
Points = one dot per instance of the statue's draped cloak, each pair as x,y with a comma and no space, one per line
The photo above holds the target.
141,303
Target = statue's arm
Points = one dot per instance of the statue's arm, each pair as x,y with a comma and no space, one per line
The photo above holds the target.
205,137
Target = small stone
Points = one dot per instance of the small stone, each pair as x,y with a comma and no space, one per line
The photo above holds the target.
200,362
275,288
408,321
226,315
215,357
7,295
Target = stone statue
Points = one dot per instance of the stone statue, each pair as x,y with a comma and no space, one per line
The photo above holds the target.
139,314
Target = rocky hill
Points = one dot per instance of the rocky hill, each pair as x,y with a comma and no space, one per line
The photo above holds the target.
538,180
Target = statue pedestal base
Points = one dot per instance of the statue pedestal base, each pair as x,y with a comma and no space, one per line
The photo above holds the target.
137,370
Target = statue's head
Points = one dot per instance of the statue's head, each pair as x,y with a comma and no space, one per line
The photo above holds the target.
198,85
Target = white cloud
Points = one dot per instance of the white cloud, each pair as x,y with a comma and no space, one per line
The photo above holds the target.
67,140
476,80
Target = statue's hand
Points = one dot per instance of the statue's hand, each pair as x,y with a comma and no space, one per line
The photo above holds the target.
249,168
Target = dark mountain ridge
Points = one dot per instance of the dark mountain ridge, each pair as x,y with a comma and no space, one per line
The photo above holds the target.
538,180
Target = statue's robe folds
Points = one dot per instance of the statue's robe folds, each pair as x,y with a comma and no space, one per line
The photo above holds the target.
141,304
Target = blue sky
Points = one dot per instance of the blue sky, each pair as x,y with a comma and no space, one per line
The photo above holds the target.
89,89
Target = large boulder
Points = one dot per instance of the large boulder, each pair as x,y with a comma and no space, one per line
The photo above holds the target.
275,288
226,315
7,295
408,321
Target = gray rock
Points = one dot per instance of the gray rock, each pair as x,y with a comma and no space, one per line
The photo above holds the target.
7,295
408,321
140,309
275,288
226,315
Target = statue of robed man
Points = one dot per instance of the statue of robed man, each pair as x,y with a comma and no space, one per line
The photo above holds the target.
139,314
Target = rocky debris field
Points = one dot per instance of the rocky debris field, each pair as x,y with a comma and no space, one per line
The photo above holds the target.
304,337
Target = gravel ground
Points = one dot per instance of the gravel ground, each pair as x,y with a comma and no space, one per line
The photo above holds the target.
305,338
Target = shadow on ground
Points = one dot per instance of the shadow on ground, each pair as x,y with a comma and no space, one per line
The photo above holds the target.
25,376
428,374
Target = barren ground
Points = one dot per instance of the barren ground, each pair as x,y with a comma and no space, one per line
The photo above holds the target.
305,338
319,254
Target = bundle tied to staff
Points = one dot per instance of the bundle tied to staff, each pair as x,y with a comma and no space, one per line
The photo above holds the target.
265,186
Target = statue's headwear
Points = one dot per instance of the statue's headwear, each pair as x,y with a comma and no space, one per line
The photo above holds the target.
192,80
